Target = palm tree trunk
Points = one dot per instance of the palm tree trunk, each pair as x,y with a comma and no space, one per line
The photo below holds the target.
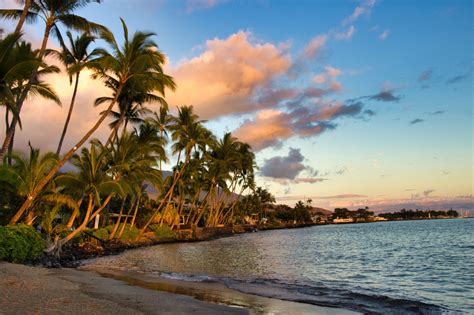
68,118
170,191
135,213
204,205
117,224
22,19
29,201
74,214
104,204
114,133
126,218
81,227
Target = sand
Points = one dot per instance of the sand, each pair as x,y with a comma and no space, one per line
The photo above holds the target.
36,290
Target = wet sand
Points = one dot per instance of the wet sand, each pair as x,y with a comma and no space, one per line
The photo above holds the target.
28,290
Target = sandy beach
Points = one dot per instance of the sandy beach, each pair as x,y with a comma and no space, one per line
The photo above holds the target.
28,290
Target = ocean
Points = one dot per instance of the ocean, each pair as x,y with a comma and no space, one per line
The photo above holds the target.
404,267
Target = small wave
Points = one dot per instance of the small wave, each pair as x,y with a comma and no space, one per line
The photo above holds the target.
318,294
187,278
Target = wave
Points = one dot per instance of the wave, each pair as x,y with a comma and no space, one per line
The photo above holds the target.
319,294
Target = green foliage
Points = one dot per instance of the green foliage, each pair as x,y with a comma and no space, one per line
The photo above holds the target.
163,232
19,243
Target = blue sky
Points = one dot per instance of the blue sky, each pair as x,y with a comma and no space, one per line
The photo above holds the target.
389,119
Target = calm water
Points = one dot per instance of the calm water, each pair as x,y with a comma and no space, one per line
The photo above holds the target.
388,267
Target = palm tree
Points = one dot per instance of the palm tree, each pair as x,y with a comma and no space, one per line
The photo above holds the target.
53,13
138,59
161,122
26,173
188,133
17,61
76,55
94,180
131,101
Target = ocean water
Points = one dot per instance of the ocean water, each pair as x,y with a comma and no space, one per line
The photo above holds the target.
406,267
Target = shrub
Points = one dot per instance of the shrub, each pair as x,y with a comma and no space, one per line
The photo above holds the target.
163,232
128,235
19,243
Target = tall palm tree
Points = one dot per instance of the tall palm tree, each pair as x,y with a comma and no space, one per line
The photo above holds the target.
139,58
76,55
17,61
53,13
132,99
161,122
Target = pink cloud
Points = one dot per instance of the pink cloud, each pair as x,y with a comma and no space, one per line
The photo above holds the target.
225,77
315,46
271,127
346,35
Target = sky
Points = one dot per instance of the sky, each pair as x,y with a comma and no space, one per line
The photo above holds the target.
349,103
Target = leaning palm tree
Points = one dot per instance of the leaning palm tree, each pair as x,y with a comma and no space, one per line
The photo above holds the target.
138,59
94,180
53,13
26,173
76,55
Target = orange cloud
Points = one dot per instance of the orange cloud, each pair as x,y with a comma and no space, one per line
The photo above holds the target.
223,79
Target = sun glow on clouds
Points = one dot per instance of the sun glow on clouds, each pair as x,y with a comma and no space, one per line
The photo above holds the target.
224,78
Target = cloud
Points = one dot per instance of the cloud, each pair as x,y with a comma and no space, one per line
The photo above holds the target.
345,35
329,75
384,35
364,8
287,167
300,197
427,192
225,78
194,5
458,78
425,75
385,95
438,112
270,127
416,121
369,112
314,47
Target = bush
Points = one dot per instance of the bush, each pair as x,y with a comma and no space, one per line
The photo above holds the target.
128,235
163,232
19,243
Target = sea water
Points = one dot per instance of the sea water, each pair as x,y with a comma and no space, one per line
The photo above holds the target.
418,267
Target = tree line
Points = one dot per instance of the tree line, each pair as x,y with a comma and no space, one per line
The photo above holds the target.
66,190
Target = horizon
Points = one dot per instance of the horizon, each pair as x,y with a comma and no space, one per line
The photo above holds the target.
318,100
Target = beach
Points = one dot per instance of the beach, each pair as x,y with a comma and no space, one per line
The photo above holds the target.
27,290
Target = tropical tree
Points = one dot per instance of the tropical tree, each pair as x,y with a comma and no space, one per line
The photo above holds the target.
93,178
26,173
161,122
188,133
53,13
138,58
17,61
76,55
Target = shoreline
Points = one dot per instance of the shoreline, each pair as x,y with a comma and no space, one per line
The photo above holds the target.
73,256
95,291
